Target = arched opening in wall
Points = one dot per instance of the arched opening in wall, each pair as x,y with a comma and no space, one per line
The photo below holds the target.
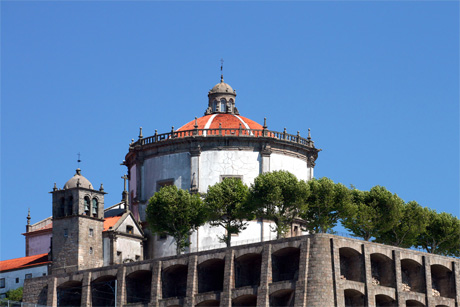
351,264
354,298
69,205
174,281
61,212
69,294
412,303
441,306
413,276
383,272
384,301
247,270
211,275
215,303
103,291
43,296
442,281
283,297
245,301
285,264
138,285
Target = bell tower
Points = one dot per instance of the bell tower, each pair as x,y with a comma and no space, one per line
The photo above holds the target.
78,222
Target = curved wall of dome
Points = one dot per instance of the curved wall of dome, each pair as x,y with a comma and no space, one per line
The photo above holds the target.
202,152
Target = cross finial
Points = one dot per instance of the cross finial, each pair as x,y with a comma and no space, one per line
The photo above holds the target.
78,160
124,177
221,70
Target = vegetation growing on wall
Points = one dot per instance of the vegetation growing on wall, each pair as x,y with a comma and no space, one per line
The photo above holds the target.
376,215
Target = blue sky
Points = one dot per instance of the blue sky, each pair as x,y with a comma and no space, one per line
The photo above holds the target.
377,83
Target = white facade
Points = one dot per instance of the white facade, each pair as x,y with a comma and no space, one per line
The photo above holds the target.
15,278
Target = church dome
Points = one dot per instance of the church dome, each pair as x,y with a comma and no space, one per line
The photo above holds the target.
78,181
222,87
222,120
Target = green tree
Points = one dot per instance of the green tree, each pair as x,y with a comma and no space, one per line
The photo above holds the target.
360,218
14,295
326,202
442,234
177,213
278,196
411,220
226,205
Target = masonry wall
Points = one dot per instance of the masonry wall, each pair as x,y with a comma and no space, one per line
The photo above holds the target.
313,270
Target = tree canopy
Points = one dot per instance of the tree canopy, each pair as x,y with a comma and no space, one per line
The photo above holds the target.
324,204
280,197
227,206
177,213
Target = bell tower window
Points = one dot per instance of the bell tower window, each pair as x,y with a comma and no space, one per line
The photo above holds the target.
69,205
223,105
86,204
95,205
214,106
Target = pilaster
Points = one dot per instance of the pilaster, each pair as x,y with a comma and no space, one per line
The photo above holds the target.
456,270
86,290
121,286
265,277
52,292
192,280
156,294
229,279
369,288
428,282
301,284
398,274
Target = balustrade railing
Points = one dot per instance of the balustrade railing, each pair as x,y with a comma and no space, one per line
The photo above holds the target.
227,132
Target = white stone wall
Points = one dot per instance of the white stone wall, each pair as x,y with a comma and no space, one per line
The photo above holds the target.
10,276
213,164
106,250
291,164
176,166
129,248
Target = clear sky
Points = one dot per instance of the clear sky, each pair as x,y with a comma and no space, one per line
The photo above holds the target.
377,83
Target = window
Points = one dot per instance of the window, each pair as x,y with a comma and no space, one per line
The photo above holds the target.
214,106
69,205
164,183
90,250
44,274
28,276
94,212
62,208
66,233
17,280
2,282
91,232
119,256
223,105
138,257
86,205
162,236
129,229
222,177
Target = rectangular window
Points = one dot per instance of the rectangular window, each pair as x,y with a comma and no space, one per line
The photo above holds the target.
28,276
119,256
222,177
164,183
129,229
2,282
138,257
17,280
66,233
91,232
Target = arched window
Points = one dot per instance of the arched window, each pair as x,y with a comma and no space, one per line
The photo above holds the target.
86,205
223,105
95,204
69,205
61,212
214,106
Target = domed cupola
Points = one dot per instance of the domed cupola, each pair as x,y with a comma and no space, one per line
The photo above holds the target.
78,181
221,99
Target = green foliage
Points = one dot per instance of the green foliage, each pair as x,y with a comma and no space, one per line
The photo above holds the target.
226,206
14,295
442,234
411,221
278,196
372,213
325,204
177,213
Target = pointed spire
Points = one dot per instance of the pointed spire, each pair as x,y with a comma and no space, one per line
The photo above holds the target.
124,195
140,133
221,70
101,189
55,187
265,123
309,135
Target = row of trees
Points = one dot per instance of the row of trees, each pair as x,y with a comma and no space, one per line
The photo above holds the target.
279,196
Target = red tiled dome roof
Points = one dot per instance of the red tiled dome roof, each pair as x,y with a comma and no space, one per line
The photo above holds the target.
227,121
